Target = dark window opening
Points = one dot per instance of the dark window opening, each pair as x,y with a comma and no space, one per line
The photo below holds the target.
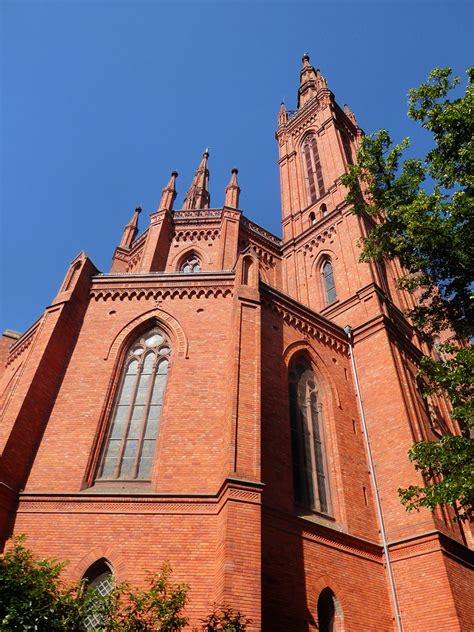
328,280
310,481
313,170
326,611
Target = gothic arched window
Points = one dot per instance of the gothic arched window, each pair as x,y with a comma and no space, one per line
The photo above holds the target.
326,611
312,169
191,264
100,577
135,420
328,282
310,482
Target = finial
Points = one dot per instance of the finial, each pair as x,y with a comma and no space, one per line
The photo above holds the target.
198,195
174,174
138,210
232,192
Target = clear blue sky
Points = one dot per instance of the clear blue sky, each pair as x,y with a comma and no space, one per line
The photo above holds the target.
101,100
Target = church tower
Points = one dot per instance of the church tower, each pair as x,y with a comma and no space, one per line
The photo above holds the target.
240,405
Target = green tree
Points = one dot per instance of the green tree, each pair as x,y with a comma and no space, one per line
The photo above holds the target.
225,619
156,608
422,213
32,596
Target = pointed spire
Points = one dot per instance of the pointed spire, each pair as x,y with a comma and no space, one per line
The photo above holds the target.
198,195
131,229
348,112
168,194
311,81
232,191
282,115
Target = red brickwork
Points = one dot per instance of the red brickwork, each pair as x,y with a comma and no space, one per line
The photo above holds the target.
220,504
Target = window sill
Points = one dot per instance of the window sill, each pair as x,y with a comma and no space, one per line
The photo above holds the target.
118,487
316,517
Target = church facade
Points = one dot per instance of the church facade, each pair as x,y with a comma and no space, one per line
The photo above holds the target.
240,405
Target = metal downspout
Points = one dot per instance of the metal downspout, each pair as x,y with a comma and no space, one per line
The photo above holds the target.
393,591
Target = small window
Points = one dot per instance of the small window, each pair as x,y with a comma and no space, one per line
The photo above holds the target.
347,149
326,611
328,282
324,210
312,218
191,264
100,577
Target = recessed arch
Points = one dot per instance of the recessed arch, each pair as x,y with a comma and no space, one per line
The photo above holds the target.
249,271
190,262
312,167
168,322
311,486
329,611
176,258
302,347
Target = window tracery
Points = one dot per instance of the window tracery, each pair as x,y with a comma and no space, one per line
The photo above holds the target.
310,481
135,421
191,264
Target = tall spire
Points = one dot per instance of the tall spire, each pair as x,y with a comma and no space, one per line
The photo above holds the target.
168,194
232,191
198,195
130,230
311,81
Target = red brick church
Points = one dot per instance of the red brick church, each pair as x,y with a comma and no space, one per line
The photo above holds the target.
241,405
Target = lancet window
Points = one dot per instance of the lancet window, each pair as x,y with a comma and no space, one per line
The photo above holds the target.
310,481
98,576
327,274
312,169
191,264
133,430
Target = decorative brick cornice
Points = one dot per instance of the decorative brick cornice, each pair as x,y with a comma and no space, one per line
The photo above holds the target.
164,293
325,535
261,232
135,503
428,543
209,213
23,343
162,285
305,320
320,237
196,235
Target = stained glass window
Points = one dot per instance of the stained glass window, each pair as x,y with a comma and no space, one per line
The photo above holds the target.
135,421
309,461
